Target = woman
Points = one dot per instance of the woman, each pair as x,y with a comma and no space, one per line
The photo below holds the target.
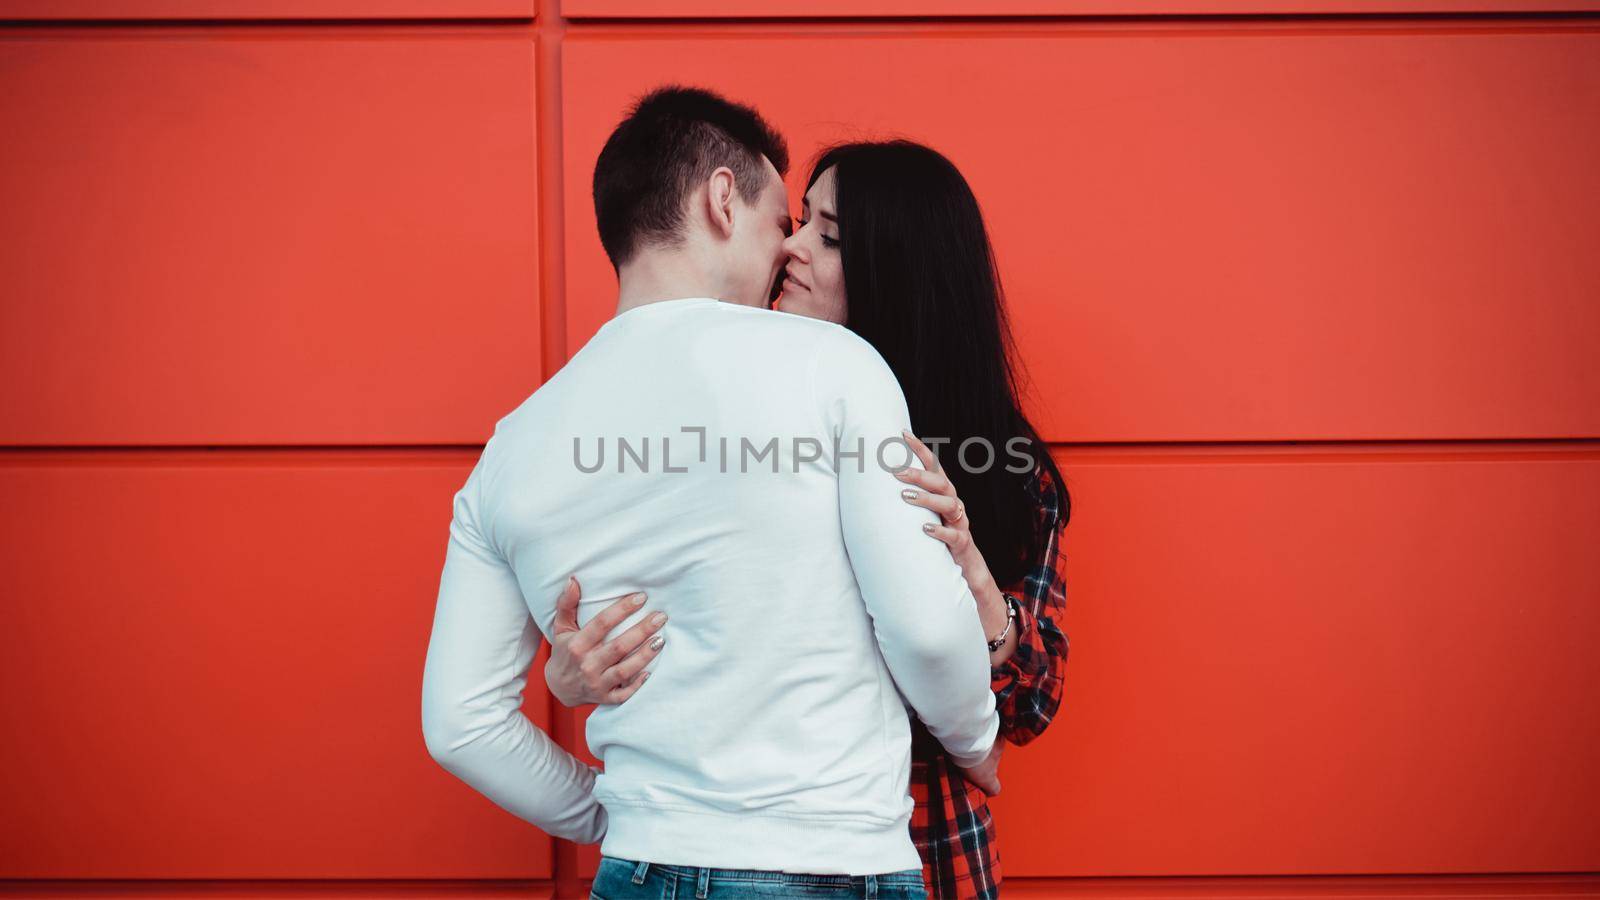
892,245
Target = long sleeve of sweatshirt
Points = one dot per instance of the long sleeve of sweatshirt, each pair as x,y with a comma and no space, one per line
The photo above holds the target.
483,642
923,614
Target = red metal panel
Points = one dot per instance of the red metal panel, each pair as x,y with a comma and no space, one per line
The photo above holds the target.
265,9
1222,233
213,670
266,235
743,9
1320,663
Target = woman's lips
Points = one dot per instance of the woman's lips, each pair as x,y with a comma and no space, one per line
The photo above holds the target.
789,280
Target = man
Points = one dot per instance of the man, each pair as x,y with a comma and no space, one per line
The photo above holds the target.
735,464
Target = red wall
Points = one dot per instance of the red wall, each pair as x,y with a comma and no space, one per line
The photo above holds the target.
1308,290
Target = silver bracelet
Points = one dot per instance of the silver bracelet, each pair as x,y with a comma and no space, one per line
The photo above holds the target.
1011,616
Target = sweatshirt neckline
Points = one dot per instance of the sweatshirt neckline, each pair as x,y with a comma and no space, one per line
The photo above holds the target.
674,303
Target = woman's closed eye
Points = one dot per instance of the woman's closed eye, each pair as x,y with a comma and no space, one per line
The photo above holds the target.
831,243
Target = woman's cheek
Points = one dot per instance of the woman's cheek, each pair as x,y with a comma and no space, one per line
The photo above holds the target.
836,296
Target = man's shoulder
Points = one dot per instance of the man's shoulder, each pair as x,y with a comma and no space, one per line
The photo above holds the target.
817,340
848,357
781,323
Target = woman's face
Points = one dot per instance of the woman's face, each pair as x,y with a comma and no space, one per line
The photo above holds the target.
814,281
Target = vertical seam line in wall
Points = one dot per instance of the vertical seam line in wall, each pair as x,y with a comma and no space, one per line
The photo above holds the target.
549,30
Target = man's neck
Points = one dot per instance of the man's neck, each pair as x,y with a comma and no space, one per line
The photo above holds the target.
654,276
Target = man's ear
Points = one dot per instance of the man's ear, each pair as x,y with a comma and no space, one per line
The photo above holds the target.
720,198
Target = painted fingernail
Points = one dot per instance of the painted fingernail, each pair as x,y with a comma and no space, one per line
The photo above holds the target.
928,528
656,644
658,618
909,494
638,600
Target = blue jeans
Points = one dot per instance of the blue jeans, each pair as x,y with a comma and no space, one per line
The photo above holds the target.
627,879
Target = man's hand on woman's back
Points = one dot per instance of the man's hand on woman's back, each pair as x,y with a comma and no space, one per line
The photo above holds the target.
986,774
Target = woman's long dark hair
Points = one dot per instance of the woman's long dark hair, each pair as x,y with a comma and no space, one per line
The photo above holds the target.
922,287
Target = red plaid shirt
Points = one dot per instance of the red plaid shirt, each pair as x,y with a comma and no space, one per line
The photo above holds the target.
950,823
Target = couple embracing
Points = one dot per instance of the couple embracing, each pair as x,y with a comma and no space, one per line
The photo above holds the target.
822,587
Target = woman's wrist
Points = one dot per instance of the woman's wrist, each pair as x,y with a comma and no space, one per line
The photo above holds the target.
994,612
1011,630
992,608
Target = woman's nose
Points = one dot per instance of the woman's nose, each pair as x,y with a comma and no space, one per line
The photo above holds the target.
791,247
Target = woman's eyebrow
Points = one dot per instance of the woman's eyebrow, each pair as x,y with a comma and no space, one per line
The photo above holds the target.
821,212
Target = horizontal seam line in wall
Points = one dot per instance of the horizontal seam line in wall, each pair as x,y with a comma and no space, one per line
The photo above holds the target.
1177,446
1328,452
255,22
1334,884
230,448
601,23
1334,443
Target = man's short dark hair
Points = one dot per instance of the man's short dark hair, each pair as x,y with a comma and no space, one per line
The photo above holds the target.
671,140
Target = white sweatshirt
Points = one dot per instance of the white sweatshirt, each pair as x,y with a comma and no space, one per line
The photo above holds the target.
806,605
